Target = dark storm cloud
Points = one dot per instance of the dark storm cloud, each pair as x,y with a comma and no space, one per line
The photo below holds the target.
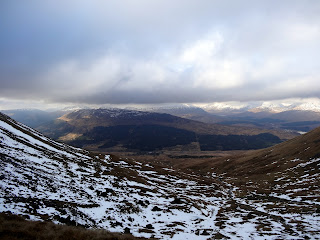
143,51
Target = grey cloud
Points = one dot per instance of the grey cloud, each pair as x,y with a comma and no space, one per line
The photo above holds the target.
159,51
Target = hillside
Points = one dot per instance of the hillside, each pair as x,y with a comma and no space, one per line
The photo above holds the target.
50,181
16,227
45,180
299,155
86,119
276,158
189,112
284,178
109,129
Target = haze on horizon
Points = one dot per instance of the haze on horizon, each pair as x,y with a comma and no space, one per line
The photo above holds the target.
158,52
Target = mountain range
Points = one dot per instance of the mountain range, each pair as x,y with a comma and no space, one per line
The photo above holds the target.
275,107
297,116
174,128
297,119
123,130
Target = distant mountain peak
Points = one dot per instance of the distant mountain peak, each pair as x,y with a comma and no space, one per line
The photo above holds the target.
268,106
311,106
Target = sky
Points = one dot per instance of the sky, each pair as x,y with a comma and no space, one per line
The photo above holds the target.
99,52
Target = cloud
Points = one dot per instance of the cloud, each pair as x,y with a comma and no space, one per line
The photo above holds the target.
141,51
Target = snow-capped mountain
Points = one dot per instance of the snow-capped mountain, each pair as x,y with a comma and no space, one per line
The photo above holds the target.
282,107
47,180
273,106
218,107
311,106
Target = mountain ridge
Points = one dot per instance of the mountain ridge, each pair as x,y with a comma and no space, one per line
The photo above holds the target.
136,129
275,107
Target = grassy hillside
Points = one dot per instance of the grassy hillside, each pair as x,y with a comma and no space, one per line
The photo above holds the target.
15,227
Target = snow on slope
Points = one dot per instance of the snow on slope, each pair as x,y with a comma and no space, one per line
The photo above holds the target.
47,180
293,198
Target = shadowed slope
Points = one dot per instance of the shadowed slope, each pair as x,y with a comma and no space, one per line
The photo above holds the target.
109,129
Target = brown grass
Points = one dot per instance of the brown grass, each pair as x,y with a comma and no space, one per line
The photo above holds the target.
13,227
259,162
